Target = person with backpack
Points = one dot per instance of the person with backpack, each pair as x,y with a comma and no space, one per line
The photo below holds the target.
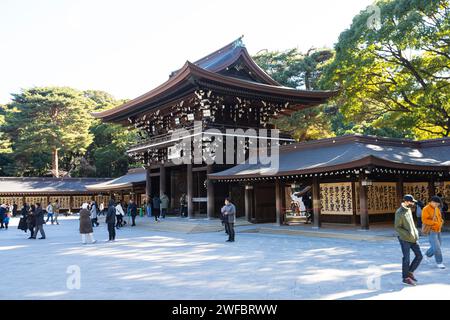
408,236
432,227
164,200
111,220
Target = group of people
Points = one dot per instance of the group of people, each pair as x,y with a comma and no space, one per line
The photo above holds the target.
32,219
430,224
158,207
114,218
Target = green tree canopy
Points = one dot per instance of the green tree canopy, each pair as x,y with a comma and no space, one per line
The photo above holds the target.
295,69
45,123
397,75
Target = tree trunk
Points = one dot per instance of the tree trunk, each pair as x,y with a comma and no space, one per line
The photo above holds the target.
55,163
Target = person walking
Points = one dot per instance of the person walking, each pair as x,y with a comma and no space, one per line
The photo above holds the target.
49,210
56,210
132,208
156,207
94,214
111,220
164,205
2,215
229,212
39,214
86,229
408,237
119,215
432,227
419,207
183,205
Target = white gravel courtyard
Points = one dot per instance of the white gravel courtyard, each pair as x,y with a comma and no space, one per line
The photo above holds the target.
144,264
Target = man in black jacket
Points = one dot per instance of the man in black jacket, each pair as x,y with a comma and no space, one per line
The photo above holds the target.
111,220
39,214
133,212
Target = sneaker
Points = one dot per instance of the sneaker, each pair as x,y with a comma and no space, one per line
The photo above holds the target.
411,275
41,238
441,266
408,281
95,241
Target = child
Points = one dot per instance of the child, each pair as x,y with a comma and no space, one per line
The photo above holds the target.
6,219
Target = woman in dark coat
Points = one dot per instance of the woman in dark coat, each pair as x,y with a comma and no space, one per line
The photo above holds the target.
86,230
39,214
23,225
111,220
31,220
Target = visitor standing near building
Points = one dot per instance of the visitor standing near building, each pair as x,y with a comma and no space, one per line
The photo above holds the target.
23,218
148,207
49,210
132,208
164,205
86,229
56,210
102,208
14,209
31,220
183,205
432,226
408,236
111,220
419,207
39,214
2,215
156,207
94,214
6,219
229,212
119,215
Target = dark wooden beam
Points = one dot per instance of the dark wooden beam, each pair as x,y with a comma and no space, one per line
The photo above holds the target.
316,202
363,208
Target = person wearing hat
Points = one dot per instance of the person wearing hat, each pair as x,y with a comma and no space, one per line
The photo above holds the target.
408,237
432,217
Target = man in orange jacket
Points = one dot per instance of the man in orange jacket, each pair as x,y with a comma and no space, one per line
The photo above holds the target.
431,216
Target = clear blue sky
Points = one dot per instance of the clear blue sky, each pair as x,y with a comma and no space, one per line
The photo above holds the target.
128,47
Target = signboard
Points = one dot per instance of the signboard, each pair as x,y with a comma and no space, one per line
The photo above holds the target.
336,198
173,152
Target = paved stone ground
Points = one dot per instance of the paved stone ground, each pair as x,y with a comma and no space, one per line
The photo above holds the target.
151,264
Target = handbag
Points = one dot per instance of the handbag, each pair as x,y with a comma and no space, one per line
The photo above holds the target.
426,228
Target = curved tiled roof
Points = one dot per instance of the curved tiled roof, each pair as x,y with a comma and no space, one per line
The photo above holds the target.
350,152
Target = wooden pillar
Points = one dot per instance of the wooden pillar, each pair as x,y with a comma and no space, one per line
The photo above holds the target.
278,202
248,202
431,190
363,209
162,179
399,188
355,209
190,191
148,184
210,194
316,202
